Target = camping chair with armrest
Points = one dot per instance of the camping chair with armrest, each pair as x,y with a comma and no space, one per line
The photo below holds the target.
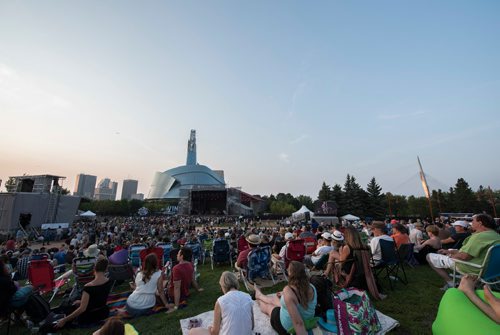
167,247
207,248
83,272
159,252
259,265
407,254
295,251
134,254
221,253
41,276
310,244
391,264
242,244
120,272
196,249
489,270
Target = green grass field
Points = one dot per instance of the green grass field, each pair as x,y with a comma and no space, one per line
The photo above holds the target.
413,305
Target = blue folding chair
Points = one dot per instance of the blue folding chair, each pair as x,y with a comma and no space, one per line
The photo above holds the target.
489,271
134,254
221,253
259,266
391,263
167,247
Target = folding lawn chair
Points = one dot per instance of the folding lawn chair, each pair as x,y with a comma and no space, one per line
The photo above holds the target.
121,272
159,252
390,264
167,247
207,248
133,254
242,244
83,272
295,251
407,254
221,253
259,266
196,249
41,277
489,270
310,244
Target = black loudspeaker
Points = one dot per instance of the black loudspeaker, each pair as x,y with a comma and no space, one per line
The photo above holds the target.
307,216
24,219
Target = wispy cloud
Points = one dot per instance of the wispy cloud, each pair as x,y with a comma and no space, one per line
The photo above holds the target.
296,94
299,139
401,115
284,157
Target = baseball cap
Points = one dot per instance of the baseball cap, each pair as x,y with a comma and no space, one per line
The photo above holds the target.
460,223
288,236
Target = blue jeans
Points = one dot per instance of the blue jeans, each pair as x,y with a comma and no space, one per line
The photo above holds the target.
134,312
21,296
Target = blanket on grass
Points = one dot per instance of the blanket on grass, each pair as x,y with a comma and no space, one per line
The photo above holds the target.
263,326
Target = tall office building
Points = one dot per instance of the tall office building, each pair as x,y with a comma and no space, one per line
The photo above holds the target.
106,190
129,188
85,185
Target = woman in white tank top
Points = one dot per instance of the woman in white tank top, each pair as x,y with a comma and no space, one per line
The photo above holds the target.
233,312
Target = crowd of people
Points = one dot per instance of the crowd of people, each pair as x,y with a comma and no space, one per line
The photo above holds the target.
340,249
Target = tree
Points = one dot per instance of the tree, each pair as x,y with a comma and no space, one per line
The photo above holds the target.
465,200
375,200
353,196
304,200
10,185
338,197
325,193
282,208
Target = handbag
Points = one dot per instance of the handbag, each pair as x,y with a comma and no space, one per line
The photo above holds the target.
355,313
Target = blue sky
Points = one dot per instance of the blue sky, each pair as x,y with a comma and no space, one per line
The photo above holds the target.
284,95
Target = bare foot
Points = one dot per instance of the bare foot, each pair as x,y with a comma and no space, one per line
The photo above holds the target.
258,292
467,284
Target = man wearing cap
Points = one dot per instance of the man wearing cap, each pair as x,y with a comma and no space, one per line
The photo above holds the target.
378,228
473,250
253,242
459,234
324,247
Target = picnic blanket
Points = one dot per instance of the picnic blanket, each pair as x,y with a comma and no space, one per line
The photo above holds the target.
263,326
118,301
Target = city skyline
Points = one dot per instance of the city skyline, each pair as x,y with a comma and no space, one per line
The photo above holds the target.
282,96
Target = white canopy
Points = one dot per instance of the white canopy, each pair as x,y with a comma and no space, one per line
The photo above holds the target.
301,212
350,217
88,214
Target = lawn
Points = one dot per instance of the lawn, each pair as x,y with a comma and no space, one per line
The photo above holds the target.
413,305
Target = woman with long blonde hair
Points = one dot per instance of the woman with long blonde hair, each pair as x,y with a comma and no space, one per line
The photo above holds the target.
292,309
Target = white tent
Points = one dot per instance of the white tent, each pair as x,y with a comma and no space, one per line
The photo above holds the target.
301,213
88,214
350,217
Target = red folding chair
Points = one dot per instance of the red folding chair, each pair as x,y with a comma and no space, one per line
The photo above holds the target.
242,244
151,250
311,244
41,277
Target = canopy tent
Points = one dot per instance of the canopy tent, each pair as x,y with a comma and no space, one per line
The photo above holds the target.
350,217
88,214
301,213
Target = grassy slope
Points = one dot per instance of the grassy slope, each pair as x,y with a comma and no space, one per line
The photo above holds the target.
414,305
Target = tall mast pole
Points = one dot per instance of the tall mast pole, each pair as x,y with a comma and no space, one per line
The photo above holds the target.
425,187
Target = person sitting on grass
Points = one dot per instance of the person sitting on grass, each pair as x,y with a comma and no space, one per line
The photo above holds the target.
148,284
233,312
294,308
92,307
182,279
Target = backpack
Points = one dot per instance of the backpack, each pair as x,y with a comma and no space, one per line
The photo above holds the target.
37,308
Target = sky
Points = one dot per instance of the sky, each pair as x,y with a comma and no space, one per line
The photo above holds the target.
283,94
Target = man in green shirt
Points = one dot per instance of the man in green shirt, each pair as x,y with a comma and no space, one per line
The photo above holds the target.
473,250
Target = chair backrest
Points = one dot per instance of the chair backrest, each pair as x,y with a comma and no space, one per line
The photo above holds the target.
295,251
221,250
242,244
491,268
259,260
83,269
196,249
41,275
134,254
389,253
405,250
167,247
311,244
153,250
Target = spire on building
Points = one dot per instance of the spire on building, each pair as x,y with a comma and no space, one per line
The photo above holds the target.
191,152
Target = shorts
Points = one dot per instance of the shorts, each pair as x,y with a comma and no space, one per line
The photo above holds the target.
441,261
276,322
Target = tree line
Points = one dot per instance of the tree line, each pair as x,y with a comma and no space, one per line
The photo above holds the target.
350,198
